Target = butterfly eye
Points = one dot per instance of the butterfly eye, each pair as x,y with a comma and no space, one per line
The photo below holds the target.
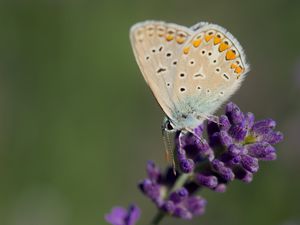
168,126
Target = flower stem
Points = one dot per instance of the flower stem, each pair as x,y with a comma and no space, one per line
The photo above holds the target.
180,181
158,217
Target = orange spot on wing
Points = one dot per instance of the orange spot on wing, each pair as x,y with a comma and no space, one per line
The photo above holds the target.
169,37
196,43
208,37
223,46
230,55
180,40
217,40
233,66
238,70
186,50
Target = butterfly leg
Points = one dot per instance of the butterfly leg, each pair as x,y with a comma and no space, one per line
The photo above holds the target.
169,152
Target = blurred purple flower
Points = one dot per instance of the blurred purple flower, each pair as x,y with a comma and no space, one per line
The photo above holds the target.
122,216
179,203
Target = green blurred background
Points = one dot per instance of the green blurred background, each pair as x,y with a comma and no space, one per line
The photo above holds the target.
78,123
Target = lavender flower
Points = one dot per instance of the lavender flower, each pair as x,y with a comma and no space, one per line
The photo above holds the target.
122,216
234,148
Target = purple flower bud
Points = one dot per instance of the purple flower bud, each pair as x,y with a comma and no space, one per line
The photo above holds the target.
221,188
196,205
212,128
224,172
244,175
250,119
186,165
225,139
235,150
207,181
235,160
250,163
168,207
214,139
264,123
263,127
230,107
224,123
203,147
272,137
271,156
260,149
182,213
199,130
153,171
234,113
238,131
178,195
181,154
122,216
150,189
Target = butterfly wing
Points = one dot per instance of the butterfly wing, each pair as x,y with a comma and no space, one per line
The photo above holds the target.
156,47
211,68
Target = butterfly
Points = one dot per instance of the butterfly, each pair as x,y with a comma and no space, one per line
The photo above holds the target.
191,71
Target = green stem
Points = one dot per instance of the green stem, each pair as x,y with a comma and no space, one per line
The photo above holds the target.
178,184
180,181
158,217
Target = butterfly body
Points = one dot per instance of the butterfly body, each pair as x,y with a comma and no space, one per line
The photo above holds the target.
191,71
